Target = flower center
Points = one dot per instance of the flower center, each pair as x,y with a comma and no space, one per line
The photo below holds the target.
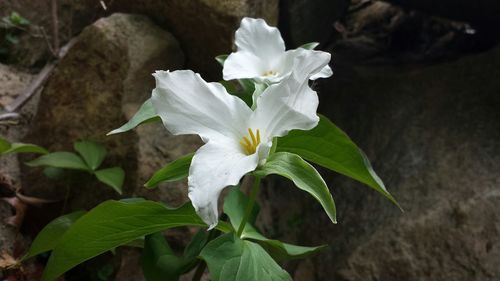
270,73
250,144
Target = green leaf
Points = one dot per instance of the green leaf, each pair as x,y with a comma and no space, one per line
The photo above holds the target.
65,160
115,223
158,261
230,258
328,146
17,147
93,153
174,171
145,114
17,19
310,46
221,59
303,175
234,205
4,145
196,244
26,148
50,235
113,177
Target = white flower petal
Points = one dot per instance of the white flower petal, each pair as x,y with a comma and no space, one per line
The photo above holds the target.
243,64
189,105
278,112
255,36
324,73
290,104
308,63
214,167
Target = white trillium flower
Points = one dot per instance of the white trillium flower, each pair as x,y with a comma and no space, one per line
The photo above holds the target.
261,55
237,138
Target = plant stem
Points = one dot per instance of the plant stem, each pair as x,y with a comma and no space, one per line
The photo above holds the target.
200,269
249,208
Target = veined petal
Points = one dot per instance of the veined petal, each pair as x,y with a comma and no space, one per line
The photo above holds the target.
307,63
255,36
291,104
279,112
324,73
243,64
214,167
189,105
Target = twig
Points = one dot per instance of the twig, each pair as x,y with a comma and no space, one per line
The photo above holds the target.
39,80
44,35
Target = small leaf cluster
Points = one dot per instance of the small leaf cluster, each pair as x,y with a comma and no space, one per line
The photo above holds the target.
89,159
10,27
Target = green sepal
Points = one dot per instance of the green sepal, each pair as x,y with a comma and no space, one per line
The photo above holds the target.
175,171
221,59
309,46
145,114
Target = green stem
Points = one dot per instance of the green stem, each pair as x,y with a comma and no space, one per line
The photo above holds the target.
202,265
273,147
249,208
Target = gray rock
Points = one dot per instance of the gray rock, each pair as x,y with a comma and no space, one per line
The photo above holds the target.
205,28
107,71
433,134
12,83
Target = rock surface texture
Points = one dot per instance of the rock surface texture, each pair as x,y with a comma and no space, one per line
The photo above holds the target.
433,135
91,91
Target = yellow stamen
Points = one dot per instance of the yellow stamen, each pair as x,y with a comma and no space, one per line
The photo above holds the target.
269,73
249,145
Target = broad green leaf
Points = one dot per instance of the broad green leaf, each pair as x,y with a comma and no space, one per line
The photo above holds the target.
113,177
17,147
303,175
112,224
234,207
328,146
310,46
221,59
65,160
50,235
230,258
174,171
93,153
145,114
